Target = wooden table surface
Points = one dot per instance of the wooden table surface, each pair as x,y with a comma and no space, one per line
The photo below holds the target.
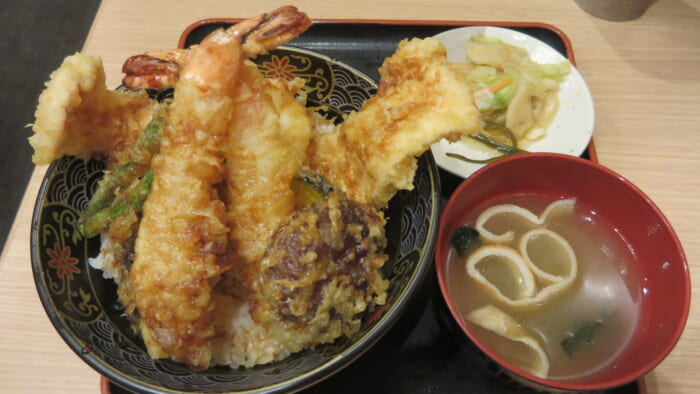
644,76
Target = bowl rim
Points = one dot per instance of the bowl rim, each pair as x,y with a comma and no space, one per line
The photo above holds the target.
325,370
440,265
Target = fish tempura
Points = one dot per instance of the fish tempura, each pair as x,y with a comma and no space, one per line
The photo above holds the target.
421,99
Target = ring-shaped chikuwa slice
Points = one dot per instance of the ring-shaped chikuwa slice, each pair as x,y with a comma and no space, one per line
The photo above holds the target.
549,255
557,207
506,235
503,272
520,349
527,219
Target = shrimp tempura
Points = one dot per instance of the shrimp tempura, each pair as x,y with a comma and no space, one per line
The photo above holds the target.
182,239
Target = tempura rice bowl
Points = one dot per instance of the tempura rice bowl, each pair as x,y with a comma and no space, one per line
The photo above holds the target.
84,308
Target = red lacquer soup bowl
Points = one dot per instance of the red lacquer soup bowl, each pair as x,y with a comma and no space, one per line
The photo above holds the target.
658,270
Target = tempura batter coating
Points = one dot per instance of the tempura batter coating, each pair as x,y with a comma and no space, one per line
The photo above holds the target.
421,99
266,146
183,232
321,273
77,115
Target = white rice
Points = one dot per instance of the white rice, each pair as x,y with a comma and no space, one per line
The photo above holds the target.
105,260
245,343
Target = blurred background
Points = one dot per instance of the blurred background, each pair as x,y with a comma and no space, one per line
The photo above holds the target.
35,36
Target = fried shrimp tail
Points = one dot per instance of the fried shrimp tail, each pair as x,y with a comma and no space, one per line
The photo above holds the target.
161,69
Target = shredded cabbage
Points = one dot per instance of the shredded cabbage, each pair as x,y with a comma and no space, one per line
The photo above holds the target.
499,72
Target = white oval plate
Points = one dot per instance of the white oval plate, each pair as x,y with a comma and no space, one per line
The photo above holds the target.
572,127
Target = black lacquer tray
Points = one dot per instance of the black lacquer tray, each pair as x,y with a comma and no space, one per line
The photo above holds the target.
425,352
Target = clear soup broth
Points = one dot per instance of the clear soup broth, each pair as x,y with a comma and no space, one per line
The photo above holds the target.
604,291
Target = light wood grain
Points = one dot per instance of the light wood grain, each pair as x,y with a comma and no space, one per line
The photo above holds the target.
643,74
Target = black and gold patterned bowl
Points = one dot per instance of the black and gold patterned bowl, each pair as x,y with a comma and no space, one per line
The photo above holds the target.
83,306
